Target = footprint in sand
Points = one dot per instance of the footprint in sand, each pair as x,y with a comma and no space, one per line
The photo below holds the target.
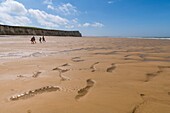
63,78
137,107
82,92
168,93
142,95
150,76
93,68
32,93
110,69
77,59
66,64
61,70
35,75
59,67
20,76
29,111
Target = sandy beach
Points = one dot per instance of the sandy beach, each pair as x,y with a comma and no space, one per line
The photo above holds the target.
84,75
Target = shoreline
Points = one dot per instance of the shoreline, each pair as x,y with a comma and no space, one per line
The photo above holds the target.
166,38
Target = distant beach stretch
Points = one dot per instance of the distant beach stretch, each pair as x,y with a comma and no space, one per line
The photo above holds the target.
73,74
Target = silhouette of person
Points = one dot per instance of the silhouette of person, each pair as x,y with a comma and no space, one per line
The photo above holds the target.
33,40
40,40
43,38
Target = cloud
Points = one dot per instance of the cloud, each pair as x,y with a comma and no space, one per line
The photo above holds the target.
95,24
69,26
110,2
46,19
14,20
50,7
65,9
86,24
48,2
75,20
113,1
12,7
13,13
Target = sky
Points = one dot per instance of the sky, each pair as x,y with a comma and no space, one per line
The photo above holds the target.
121,18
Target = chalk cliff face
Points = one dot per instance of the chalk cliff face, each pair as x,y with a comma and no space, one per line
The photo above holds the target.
17,30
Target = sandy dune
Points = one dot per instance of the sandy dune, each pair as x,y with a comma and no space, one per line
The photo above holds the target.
84,75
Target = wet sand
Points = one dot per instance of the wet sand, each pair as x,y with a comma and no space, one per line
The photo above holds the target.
84,75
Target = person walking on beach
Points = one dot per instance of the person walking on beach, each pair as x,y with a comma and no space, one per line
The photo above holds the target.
43,38
40,40
33,40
